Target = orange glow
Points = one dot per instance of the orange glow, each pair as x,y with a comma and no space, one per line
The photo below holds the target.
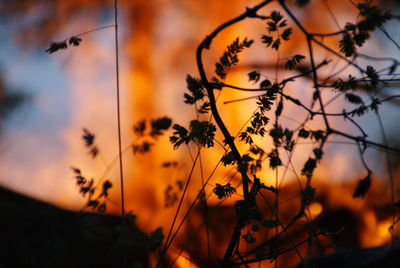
315,209
375,233
384,231
183,261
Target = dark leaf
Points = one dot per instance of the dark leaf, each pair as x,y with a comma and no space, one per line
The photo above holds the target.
230,56
55,46
223,191
283,24
159,125
188,98
372,16
106,186
360,38
94,151
265,84
308,195
156,238
180,136
228,159
346,45
93,203
375,104
170,197
202,132
361,110
264,103
277,134
318,135
349,26
274,160
141,148
286,34
88,137
75,41
266,39
345,85
169,164
298,58
362,187
373,75
77,171
318,153
80,180
279,108
254,76
271,26
257,151
304,133
180,184
84,190
309,167
244,136
275,16
353,98
249,237
204,108
196,89
292,62
276,44
139,128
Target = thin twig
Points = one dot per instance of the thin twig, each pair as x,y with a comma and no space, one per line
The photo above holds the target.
94,30
121,170
283,251
205,44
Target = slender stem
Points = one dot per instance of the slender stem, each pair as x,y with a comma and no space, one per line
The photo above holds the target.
363,140
201,191
310,36
205,44
119,108
383,30
205,208
390,174
315,78
170,236
283,251
94,30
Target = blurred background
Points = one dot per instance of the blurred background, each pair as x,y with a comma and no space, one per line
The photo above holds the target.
46,100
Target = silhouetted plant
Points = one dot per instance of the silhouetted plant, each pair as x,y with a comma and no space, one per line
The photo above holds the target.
201,91
96,196
271,103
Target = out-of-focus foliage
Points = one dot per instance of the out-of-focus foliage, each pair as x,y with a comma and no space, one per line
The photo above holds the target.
9,100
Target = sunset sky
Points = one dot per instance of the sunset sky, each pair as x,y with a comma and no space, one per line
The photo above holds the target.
67,88
75,89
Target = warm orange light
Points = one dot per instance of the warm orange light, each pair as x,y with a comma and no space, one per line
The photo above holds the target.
376,232
315,209
183,261
383,230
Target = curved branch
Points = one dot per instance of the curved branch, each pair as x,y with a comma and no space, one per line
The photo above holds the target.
229,139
